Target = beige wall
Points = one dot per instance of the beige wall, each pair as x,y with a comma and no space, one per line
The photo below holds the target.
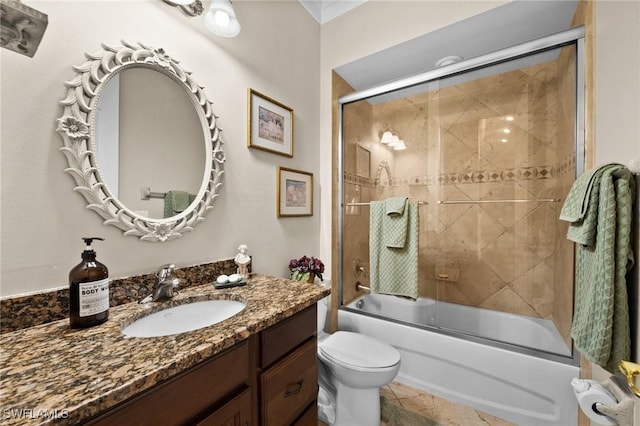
43,219
160,140
617,95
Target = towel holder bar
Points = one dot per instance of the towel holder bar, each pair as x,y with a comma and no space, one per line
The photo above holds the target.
535,200
146,194
421,203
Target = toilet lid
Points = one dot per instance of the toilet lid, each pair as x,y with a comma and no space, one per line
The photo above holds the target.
359,350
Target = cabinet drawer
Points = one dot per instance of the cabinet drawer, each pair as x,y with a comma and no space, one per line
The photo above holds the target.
285,336
290,386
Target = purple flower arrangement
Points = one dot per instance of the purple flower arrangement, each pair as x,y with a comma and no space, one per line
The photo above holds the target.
302,269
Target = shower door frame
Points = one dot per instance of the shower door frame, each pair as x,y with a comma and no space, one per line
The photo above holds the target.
564,38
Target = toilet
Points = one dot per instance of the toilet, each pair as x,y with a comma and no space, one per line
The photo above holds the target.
351,369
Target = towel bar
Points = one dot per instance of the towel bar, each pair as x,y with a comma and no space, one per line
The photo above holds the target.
145,193
421,203
538,200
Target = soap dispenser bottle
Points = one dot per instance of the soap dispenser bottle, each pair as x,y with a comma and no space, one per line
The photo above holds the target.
88,290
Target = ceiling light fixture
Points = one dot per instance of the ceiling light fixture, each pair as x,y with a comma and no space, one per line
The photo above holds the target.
220,18
189,7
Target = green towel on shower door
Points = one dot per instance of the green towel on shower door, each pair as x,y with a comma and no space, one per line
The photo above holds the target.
395,222
393,270
601,227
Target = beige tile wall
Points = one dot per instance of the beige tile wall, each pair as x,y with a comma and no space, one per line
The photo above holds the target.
512,257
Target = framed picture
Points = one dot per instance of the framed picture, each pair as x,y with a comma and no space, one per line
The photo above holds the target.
270,126
295,193
363,159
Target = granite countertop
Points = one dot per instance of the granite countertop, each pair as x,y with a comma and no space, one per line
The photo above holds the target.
51,370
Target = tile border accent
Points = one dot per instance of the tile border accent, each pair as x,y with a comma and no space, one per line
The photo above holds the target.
481,176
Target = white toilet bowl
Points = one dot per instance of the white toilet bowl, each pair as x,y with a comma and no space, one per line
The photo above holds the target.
352,368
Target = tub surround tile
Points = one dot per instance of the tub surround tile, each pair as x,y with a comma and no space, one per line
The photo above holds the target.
533,287
507,300
512,257
86,371
35,309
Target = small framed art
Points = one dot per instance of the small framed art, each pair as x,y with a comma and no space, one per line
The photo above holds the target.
295,193
270,126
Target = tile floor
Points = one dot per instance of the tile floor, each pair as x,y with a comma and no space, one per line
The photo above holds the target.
437,409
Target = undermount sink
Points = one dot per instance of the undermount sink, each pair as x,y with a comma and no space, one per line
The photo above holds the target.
183,318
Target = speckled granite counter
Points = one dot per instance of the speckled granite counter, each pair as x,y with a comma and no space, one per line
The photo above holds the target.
51,370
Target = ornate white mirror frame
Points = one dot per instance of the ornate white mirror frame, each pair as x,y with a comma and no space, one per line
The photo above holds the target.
77,128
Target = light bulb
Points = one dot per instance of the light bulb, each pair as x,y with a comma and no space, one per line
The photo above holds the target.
386,137
399,146
222,18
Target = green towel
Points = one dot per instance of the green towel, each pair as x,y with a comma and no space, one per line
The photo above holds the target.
575,205
393,270
601,226
395,222
175,202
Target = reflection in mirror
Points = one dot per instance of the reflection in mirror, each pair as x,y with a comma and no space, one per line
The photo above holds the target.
148,135
129,128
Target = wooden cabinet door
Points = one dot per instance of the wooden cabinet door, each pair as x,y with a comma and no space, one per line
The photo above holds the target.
236,412
181,399
309,417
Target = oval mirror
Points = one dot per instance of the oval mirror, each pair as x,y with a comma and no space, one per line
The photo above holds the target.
142,143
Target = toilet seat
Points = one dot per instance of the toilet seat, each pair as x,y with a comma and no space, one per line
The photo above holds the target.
358,352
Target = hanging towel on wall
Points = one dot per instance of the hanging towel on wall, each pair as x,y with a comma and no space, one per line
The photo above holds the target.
393,270
395,222
599,207
175,202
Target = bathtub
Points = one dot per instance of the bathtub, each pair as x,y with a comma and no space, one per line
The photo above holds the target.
526,389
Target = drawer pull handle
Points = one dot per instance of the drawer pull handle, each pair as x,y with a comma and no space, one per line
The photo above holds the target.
293,390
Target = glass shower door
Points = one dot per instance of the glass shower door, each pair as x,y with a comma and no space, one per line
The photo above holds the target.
488,153
502,265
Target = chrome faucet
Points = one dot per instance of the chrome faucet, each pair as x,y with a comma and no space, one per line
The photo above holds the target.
166,282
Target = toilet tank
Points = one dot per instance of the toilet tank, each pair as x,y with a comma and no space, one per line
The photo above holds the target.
323,313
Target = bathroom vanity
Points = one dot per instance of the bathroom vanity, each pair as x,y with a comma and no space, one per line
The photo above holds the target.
278,365
257,367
